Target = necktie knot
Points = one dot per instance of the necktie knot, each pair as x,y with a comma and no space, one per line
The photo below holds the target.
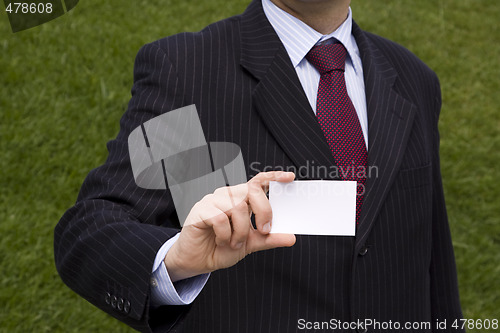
326,58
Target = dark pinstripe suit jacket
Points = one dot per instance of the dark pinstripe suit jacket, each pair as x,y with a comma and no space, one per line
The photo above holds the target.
399,267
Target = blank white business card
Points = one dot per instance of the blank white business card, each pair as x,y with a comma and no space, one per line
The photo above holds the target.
314,207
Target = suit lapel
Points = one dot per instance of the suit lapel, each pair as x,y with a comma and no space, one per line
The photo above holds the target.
279,97
390,118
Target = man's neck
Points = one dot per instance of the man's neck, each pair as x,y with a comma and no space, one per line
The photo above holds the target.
324,16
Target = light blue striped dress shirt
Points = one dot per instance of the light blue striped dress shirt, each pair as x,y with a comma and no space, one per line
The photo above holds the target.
298,38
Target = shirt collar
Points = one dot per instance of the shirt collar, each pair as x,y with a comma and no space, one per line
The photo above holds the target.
298,38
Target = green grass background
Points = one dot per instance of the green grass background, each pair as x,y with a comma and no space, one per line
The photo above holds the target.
65,84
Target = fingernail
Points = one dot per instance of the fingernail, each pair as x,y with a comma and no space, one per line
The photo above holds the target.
267,227
238,245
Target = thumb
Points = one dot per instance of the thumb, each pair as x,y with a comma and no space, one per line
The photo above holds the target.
259,242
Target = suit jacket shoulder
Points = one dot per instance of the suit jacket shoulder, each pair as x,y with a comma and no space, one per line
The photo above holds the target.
399,56
411,70
187,46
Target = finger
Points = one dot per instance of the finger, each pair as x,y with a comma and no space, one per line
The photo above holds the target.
258,242
228,197
263,178
213,217
257,187
241,224
232,200
261,208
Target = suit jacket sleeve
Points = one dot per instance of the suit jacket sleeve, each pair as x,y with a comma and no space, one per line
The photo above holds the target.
105,245
444,286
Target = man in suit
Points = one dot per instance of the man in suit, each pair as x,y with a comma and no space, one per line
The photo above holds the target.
252,83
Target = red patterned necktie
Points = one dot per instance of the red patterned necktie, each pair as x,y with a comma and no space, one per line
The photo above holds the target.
337,116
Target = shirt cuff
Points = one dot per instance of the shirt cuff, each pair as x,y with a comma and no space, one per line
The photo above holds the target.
164,291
